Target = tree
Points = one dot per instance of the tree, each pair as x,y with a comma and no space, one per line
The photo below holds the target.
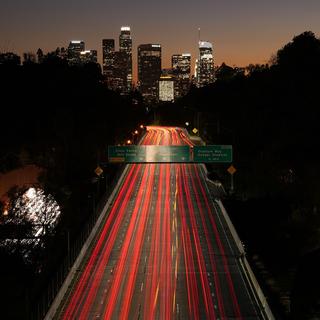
32,215
40,55
225,72
302,53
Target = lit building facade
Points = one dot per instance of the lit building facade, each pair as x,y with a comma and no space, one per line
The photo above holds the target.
108,49
117,65
74,49
181,69
125,40
125,46
149,70
118,81
88,56
204,68
166,89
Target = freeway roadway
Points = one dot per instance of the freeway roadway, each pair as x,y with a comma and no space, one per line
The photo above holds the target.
164,250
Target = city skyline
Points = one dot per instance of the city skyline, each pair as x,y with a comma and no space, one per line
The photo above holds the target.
250,32
173,182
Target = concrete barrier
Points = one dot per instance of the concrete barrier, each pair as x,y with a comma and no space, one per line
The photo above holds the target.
231,227
259,296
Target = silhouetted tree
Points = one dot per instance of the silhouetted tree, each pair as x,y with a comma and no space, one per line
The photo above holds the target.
301,54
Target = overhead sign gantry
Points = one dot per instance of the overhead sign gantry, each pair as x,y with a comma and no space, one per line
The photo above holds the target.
170,154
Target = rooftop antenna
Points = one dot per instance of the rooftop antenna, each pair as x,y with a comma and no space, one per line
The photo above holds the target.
199,35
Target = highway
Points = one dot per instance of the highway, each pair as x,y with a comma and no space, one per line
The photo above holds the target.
164,250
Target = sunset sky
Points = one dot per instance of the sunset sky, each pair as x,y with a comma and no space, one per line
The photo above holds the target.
243,32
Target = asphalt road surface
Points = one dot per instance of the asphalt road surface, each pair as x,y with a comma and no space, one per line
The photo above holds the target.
164,250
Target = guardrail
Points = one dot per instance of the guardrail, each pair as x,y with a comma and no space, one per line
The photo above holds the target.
231,227
259,294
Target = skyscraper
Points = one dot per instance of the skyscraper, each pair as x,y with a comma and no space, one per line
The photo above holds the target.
149,70
125,45
88,56
74,49
119,79
204,70
166,88
107,56
181,68
117,65
125,41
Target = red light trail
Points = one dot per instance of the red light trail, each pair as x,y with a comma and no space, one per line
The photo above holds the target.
162,252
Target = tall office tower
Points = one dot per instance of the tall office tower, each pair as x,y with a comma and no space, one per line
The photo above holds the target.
125,41
125,45
107,57
88,56
149,70
166,88
74,49
204,65
118,79
181,68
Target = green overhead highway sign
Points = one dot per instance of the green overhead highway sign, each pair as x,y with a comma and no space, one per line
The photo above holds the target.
167,154
149,154
126,154
214,153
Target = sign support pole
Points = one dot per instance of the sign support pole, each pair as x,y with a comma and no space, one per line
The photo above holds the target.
231,184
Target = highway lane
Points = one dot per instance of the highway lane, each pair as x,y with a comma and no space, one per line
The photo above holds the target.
163,251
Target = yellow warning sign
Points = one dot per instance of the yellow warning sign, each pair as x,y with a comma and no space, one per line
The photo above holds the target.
195,130
98,171
232,170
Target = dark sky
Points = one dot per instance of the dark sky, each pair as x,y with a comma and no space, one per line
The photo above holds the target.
242,31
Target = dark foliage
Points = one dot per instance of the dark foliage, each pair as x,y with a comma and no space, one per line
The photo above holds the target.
63,118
